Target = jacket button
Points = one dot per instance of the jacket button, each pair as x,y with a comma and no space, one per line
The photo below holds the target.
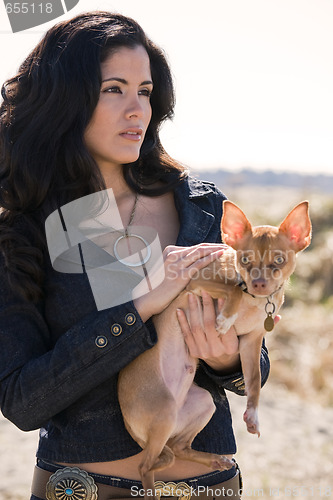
101,341
116,329
130,319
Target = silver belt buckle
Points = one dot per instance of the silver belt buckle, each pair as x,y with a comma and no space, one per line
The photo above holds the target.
179,490
71,483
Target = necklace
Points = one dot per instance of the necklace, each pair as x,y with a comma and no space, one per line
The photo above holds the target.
126,237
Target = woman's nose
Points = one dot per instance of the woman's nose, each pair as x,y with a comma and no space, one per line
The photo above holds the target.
134,108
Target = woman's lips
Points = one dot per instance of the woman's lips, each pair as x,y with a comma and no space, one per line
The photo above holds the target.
132,134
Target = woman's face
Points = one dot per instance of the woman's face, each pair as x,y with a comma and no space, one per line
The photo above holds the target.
117,128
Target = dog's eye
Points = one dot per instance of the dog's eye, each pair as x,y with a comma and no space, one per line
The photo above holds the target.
245,260
279,259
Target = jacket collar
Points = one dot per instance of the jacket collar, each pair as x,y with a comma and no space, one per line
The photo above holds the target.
195,223
195,188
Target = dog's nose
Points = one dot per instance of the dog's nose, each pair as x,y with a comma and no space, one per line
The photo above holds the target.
259,284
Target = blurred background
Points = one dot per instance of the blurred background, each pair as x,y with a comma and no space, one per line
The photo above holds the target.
254,110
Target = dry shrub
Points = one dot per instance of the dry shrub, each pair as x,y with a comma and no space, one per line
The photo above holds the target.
301,351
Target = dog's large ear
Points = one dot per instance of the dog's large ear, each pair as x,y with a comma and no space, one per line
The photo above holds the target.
234,225
297,226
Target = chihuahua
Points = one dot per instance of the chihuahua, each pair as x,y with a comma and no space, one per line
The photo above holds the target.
163,409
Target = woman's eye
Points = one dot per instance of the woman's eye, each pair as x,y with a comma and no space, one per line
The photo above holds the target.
145,92
112,90
279,259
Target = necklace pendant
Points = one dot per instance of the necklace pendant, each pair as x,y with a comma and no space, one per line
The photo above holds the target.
127,261
269,323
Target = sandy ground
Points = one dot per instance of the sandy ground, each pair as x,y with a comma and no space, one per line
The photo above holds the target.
293,458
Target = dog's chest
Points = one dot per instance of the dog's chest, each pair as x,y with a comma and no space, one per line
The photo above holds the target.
251,314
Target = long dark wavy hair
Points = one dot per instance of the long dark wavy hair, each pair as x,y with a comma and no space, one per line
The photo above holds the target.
46,108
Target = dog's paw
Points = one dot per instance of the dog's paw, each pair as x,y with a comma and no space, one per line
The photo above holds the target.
223,324
220,462
252,421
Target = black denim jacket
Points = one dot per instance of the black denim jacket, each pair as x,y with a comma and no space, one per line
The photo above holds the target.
59,360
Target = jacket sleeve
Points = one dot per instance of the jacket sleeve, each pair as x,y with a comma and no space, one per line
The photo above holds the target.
90,352
235,381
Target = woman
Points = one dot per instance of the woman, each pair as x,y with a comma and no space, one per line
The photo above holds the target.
82,116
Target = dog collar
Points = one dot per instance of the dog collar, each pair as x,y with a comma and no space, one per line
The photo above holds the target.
269,306
244,288
241,283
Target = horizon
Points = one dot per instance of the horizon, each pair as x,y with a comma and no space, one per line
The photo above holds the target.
236,170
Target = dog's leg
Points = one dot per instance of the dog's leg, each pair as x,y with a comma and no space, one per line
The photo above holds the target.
156,456
250,350
192,418
154,461
166,458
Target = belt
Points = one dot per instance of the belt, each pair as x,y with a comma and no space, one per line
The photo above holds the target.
72,483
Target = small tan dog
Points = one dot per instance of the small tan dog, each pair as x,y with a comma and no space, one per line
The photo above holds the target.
163,409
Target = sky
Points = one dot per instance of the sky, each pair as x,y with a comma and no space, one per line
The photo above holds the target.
253,78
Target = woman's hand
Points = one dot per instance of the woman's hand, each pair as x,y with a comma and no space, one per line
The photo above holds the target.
221,352
180,265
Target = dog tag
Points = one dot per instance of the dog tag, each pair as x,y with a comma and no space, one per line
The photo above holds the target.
269,323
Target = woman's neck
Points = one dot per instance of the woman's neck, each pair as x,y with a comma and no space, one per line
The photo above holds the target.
114,179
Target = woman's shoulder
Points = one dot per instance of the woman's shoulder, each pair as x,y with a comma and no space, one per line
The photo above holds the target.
198,188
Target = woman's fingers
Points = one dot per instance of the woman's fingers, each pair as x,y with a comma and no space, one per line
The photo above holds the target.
186,256
191,270
209,313
277,319
199,330
201,252
186,330
200,246
180,268
192,328
194,308
206,259
230,342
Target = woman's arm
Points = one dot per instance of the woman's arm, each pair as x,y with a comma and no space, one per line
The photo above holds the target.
40,377
39,380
